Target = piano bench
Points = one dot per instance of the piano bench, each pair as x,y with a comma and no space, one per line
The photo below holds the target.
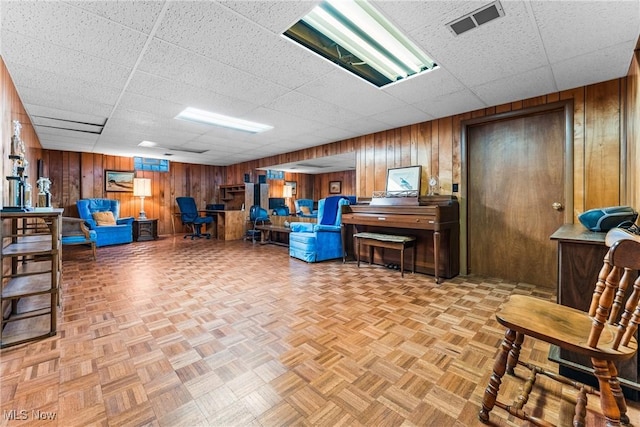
389,241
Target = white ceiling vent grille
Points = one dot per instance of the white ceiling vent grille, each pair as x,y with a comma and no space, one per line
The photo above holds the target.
188,150
69,125
476,18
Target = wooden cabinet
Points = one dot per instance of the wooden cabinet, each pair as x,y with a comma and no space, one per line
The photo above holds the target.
230,225
145,229
30,255
580,256
232,195
248,194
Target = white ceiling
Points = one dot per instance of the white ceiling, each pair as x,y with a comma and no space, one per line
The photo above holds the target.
136,64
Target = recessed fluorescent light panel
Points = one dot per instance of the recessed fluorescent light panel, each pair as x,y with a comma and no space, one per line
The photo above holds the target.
208,118
355,36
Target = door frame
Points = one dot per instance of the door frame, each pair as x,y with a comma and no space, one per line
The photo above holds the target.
567,107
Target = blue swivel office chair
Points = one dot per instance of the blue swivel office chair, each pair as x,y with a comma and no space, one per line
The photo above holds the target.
257,215
191,217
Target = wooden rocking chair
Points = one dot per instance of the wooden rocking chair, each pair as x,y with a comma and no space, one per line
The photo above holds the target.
605,334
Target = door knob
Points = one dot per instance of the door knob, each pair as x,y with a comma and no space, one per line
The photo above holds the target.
557,206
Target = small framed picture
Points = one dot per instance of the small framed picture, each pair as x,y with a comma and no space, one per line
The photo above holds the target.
294,187
335,187
119,181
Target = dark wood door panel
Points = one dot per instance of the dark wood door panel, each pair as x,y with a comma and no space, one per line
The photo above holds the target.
516,173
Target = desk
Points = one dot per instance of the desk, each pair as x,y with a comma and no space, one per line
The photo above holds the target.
267,231
230,225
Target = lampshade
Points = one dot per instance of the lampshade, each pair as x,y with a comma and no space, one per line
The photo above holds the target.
142,187
287,191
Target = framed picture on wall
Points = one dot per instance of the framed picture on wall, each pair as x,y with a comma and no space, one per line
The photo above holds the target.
119,181
294,187
335,187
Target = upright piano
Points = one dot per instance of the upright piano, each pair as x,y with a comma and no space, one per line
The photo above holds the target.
433,220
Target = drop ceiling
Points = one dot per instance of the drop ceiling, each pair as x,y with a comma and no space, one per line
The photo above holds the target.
102,76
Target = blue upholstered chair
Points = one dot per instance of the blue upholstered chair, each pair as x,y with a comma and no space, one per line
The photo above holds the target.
304,208
113,234
312,242
281,211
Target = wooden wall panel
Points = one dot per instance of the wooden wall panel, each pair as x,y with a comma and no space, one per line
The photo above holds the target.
602,155
632,133
11,109
601,125
421,134
81,175
434,144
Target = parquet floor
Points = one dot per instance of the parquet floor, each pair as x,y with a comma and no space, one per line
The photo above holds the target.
207,333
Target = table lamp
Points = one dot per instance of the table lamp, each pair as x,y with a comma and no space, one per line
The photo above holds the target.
142,189
287,193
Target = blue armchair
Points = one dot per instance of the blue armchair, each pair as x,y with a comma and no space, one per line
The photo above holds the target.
115,231
304,207
312,242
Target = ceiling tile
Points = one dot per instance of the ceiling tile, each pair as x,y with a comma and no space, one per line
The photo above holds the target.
539,81
177,64
138,15
571,29
612,59
90,34
61,61
347,91
139,63
445,105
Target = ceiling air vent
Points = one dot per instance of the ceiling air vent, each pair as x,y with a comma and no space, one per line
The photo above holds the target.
312,165
188,150
68,125
476,18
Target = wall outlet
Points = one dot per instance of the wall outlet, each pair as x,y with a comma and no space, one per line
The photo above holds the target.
455,188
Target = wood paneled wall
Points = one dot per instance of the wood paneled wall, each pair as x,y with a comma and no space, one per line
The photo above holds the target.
11,109
81,175
632,127
599,112
605,116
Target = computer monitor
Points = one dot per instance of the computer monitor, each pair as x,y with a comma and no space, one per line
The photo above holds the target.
276,202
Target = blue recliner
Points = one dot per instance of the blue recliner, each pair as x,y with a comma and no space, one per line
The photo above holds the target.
313,242
304,208
121,231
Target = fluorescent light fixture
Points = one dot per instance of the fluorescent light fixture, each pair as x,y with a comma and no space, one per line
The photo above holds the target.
354,35
148,144
209,118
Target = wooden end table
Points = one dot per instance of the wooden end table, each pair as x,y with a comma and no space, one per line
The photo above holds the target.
145,229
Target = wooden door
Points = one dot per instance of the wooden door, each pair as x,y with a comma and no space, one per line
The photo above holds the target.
515,175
